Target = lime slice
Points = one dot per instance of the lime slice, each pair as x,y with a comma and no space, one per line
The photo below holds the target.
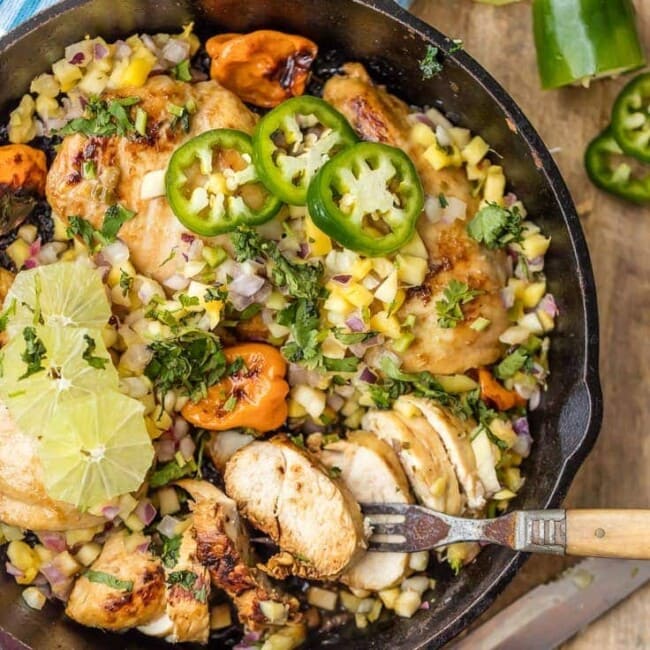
66,374
95,448
64,293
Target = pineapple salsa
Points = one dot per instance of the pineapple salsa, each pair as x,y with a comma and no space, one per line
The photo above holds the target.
193,293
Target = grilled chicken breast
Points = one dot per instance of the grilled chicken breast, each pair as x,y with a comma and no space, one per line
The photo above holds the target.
23,499
423,458
223,547
376,115
97,604
287,494
372,472
122,163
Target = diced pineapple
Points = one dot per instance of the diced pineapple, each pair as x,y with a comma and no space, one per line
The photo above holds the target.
79,536
394,306
440,157
94,82
419,561
382,267
350,601
22,126
415,247
34,598
88,553
322,598
495,185
45,84
138,69
24,558
533,293
532,323
311,399
319,242
407,603
337,303
477,172
503,431
389,597
460,136
18,252
361,268
412,270
220,617
546,320
422,134
385,324
48,108
535,245
456,383
512,478
67,74
357,295
387,290
475,151
407,409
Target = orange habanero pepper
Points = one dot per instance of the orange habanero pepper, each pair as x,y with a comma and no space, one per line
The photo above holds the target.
264,67
493,391
253,397
23,167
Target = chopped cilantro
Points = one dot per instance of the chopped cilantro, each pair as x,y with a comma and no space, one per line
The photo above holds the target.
449,308
188,301
78,226
298,440
170,550
495,226
429,65
191,362
104,118
114,218
335,472
442,200
213,294
109,580
181,71
303,319
186,579
352,338
89,358
514,362
33,354
180,116
348,364
126,282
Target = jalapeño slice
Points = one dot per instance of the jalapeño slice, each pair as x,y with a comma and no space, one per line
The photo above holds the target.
368,198
631,118
213,187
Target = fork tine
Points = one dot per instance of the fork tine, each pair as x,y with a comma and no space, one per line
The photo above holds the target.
384,508
388,528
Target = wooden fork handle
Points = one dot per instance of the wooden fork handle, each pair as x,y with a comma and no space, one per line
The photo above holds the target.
608,533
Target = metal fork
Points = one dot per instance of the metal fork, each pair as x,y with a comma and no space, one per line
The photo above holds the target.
598,533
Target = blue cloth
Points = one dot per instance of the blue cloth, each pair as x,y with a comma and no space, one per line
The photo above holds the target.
14,12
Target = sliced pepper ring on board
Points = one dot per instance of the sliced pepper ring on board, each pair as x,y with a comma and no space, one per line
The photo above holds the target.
367,198
212,185
631,118
611,170
293,141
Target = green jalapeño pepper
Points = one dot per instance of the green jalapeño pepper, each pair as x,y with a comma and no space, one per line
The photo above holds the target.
578,40
631,118
293,141
610,169
213,187
367,198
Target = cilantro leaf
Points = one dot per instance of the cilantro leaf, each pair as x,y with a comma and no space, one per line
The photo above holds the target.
103,118
303,319
170,550
114,217
188,301
180,117
352,338
79,227
429,65
449,308
109,580
347,364
300,280
442,200
495,226
126,282
181,71
33,354
514,362
190,362
185,579
89,358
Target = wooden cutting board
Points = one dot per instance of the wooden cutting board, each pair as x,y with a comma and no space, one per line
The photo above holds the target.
617,474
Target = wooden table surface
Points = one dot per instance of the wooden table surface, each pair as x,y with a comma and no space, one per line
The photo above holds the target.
617,472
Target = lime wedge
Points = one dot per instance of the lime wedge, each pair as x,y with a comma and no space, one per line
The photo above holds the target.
95,448
66,374
64,294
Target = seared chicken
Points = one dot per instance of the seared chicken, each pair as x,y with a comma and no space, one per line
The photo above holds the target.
310,515
122,163
372,472
423,458
223,444
223,547
23,499
455,435
116,606
376,115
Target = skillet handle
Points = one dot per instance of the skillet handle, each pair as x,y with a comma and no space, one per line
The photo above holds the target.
608,533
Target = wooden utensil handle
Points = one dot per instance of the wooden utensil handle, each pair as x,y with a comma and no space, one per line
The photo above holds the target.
608,533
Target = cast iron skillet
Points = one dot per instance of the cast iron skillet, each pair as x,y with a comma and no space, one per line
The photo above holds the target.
392,42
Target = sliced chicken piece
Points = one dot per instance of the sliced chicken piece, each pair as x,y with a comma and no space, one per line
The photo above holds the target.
122,163
423,458
287,494
372,472
223,444
23,499
377,115
96,604
187,604
455,434
223,546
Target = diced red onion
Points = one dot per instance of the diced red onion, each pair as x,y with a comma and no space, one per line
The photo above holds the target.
176,282
13,570
298,375
535,400
342,279
149,43
30,263
520,425
145,512
35,247
122,50
455,209
100,51
187,447
181,427
548,305
176,50
345,391
187,237
61,590
368,376
335,402
110,512
312,427
508,297
41,581
303,250
165,450
509,199
78,58
422,117
524,440
142,548
195,249
425,605
433,209
246,285
53,575
114,254
197,75
147,289
167,526
53,541
443,136
355,324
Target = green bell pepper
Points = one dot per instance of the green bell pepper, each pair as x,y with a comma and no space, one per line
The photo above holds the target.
368,198
578,40
611,170
213,187
293,141
631,118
